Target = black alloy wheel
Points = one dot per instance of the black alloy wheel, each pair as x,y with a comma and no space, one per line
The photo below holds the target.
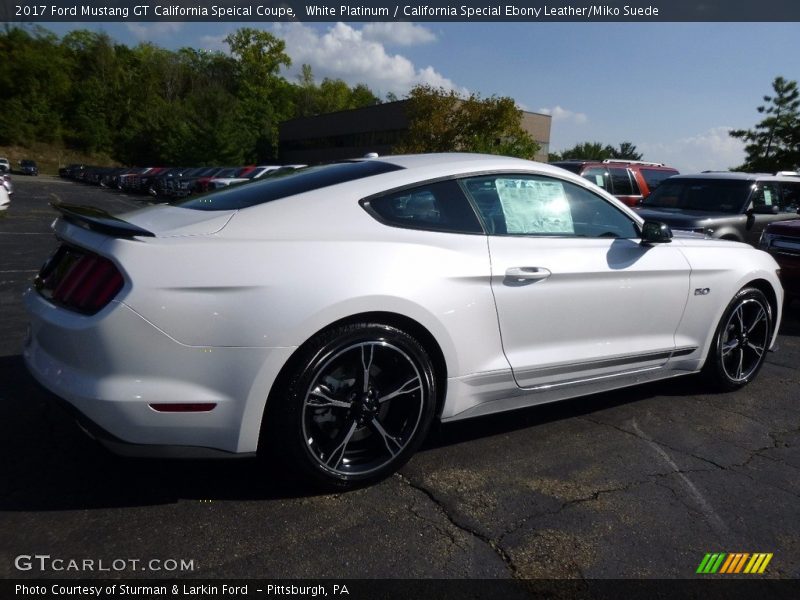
741,341
357,407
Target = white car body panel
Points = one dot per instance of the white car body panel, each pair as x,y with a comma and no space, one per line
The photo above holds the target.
5,199
544,350
215,304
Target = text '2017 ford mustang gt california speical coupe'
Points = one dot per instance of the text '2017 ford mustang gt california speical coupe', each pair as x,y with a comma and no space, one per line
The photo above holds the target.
332,314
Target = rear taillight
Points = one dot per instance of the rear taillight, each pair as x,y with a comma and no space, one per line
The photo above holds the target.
79,280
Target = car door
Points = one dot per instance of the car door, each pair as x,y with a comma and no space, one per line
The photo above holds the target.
766,206
624,186
577,295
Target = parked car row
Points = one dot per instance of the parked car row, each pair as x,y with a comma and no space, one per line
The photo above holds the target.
724,205
26,166
631,181
756,208
170,182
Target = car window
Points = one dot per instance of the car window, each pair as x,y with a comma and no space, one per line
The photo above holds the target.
766,194
598,176
621,182
297,182
534,205
654,177
439,206
790,196
705,195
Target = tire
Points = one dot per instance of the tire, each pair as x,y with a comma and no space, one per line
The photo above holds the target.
357,403
740,342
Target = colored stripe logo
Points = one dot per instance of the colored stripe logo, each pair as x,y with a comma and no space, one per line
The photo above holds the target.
736,562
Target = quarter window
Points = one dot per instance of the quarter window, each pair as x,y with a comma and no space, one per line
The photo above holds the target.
439,206
532,205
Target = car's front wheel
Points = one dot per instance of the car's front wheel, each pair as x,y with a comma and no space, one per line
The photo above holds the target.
741,341
356,406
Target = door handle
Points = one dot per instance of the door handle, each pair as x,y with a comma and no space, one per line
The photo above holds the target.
527,273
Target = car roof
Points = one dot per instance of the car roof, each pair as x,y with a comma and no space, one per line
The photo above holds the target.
465,162
735,176
613,162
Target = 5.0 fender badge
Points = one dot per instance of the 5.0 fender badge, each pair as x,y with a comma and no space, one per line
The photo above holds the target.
702,291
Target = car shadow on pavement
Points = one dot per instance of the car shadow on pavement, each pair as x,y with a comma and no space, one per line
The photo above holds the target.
48,463
790,325
533,416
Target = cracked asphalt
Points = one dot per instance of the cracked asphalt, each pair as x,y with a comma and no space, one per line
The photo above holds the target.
638,483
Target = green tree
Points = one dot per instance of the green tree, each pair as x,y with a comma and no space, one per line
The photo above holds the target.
626,151
150,105
443,121
35,78
587,151
331,95
597,151
774,143
93,105
264,96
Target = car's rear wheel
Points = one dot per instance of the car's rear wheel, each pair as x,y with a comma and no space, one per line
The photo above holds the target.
741,341
356,406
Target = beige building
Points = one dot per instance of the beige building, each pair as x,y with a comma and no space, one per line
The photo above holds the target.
353,133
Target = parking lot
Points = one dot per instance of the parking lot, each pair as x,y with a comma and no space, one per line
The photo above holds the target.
639,483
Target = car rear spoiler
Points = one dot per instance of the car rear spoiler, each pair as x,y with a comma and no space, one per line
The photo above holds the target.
96,219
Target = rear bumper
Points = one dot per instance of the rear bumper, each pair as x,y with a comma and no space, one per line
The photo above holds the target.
110,367
122,448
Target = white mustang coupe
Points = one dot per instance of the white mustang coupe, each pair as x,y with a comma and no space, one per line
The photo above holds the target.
330,315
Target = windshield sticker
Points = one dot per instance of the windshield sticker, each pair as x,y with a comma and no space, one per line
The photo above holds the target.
534,206
767,197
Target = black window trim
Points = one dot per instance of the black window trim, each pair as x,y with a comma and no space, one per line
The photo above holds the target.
364,202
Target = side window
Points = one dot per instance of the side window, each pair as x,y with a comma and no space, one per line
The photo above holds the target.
439,206
621,182
532,205
598,176
790,198
767,194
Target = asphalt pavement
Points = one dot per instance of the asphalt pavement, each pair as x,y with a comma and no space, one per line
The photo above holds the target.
639,483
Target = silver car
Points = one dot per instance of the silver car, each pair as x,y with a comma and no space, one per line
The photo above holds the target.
728,206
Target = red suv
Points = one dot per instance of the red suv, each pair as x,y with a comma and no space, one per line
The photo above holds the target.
629,180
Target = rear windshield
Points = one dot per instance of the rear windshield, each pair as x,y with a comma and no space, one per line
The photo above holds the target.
296,182
707,195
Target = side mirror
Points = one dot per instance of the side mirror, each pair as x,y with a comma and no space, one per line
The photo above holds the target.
654,232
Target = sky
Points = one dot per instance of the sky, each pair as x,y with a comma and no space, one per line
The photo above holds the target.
672,89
